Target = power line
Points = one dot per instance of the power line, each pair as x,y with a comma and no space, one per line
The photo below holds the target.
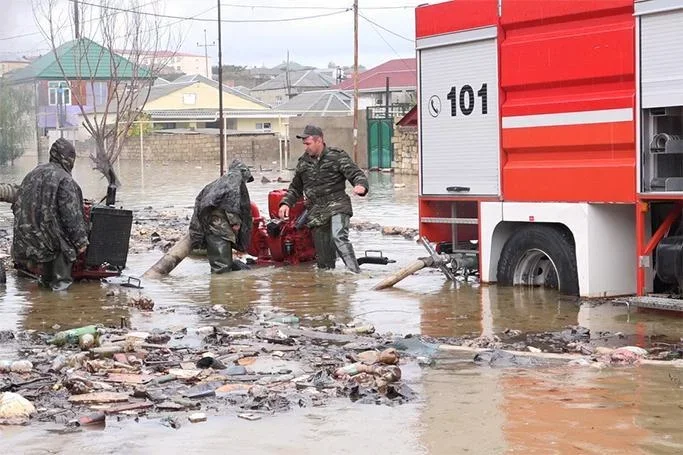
389,7
239,21
390,46
232,5
386,29
7,38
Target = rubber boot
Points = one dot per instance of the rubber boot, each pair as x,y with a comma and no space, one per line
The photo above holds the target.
339,230
325,252
219,252
349,257
57,274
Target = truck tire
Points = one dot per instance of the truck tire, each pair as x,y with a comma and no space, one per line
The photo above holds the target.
540,255
3,275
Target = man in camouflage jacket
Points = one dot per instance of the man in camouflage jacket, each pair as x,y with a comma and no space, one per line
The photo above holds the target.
49,224
320,178
222,217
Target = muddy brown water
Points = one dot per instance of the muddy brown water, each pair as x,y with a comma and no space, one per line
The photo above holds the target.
461,408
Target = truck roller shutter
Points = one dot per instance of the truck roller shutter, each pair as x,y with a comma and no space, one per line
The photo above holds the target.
459,122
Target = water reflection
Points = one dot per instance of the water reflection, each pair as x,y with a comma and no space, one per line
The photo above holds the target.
550,411
175,184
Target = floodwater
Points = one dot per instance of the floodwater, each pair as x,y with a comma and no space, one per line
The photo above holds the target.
461,408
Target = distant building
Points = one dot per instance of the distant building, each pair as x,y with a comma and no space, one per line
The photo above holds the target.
318,103
171,62
191,102
289,84
402,74
9,65
81,80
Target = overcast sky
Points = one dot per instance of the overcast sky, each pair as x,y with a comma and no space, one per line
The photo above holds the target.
312,41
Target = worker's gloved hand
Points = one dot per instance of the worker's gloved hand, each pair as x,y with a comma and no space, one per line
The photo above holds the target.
283,212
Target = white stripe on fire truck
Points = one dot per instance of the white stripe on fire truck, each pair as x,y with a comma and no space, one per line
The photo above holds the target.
569,118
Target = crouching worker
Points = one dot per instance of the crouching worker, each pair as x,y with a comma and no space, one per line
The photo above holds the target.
222,217
49,224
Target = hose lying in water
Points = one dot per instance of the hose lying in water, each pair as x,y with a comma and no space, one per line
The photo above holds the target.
405,272
555,356
170,260
8,192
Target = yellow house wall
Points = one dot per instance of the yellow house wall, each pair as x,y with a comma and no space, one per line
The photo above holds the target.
249,124
206,98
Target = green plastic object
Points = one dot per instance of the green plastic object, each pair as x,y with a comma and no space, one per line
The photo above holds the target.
71,336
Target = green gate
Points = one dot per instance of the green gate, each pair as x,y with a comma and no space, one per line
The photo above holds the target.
380,148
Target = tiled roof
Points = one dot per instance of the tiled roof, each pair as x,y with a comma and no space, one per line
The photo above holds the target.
80,59
297,79
164,88
318,102
401,73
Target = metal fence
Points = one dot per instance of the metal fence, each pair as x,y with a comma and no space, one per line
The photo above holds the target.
391,111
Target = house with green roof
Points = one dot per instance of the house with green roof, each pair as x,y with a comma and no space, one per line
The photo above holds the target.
78,73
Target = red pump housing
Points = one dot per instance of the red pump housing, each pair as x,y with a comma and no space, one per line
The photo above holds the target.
281,241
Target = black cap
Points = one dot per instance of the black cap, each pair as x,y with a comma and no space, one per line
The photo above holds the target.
310,130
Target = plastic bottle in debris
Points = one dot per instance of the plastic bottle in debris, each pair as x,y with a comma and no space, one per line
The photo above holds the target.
72,336
285,320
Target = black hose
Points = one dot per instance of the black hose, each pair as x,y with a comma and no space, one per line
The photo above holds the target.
381,260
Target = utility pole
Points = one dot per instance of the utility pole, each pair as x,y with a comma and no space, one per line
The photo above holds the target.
355,81
221,125
77,31
206,47
287,81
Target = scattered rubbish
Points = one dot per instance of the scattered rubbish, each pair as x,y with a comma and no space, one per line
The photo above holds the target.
86,341
249,416
73,336
141,303
97,418
285,320
197,417
360,330
219,309
16,366
99,397
15,409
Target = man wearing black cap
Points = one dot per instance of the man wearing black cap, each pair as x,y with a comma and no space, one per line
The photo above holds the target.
49,224
222,217
320,178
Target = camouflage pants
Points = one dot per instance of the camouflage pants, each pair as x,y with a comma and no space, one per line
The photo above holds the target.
332,239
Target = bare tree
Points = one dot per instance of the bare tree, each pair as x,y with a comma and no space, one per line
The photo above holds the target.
109,53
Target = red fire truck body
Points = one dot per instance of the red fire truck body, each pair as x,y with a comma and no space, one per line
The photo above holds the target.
550,138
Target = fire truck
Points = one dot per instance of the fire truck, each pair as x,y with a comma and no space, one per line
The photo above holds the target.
551,141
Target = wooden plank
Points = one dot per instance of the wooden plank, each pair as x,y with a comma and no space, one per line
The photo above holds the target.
129,378
99,397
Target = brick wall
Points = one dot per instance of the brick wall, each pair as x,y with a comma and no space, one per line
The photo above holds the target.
405,150
252,149
338,133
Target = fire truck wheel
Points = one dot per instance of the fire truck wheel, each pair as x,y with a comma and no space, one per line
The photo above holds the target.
3,276
540,255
